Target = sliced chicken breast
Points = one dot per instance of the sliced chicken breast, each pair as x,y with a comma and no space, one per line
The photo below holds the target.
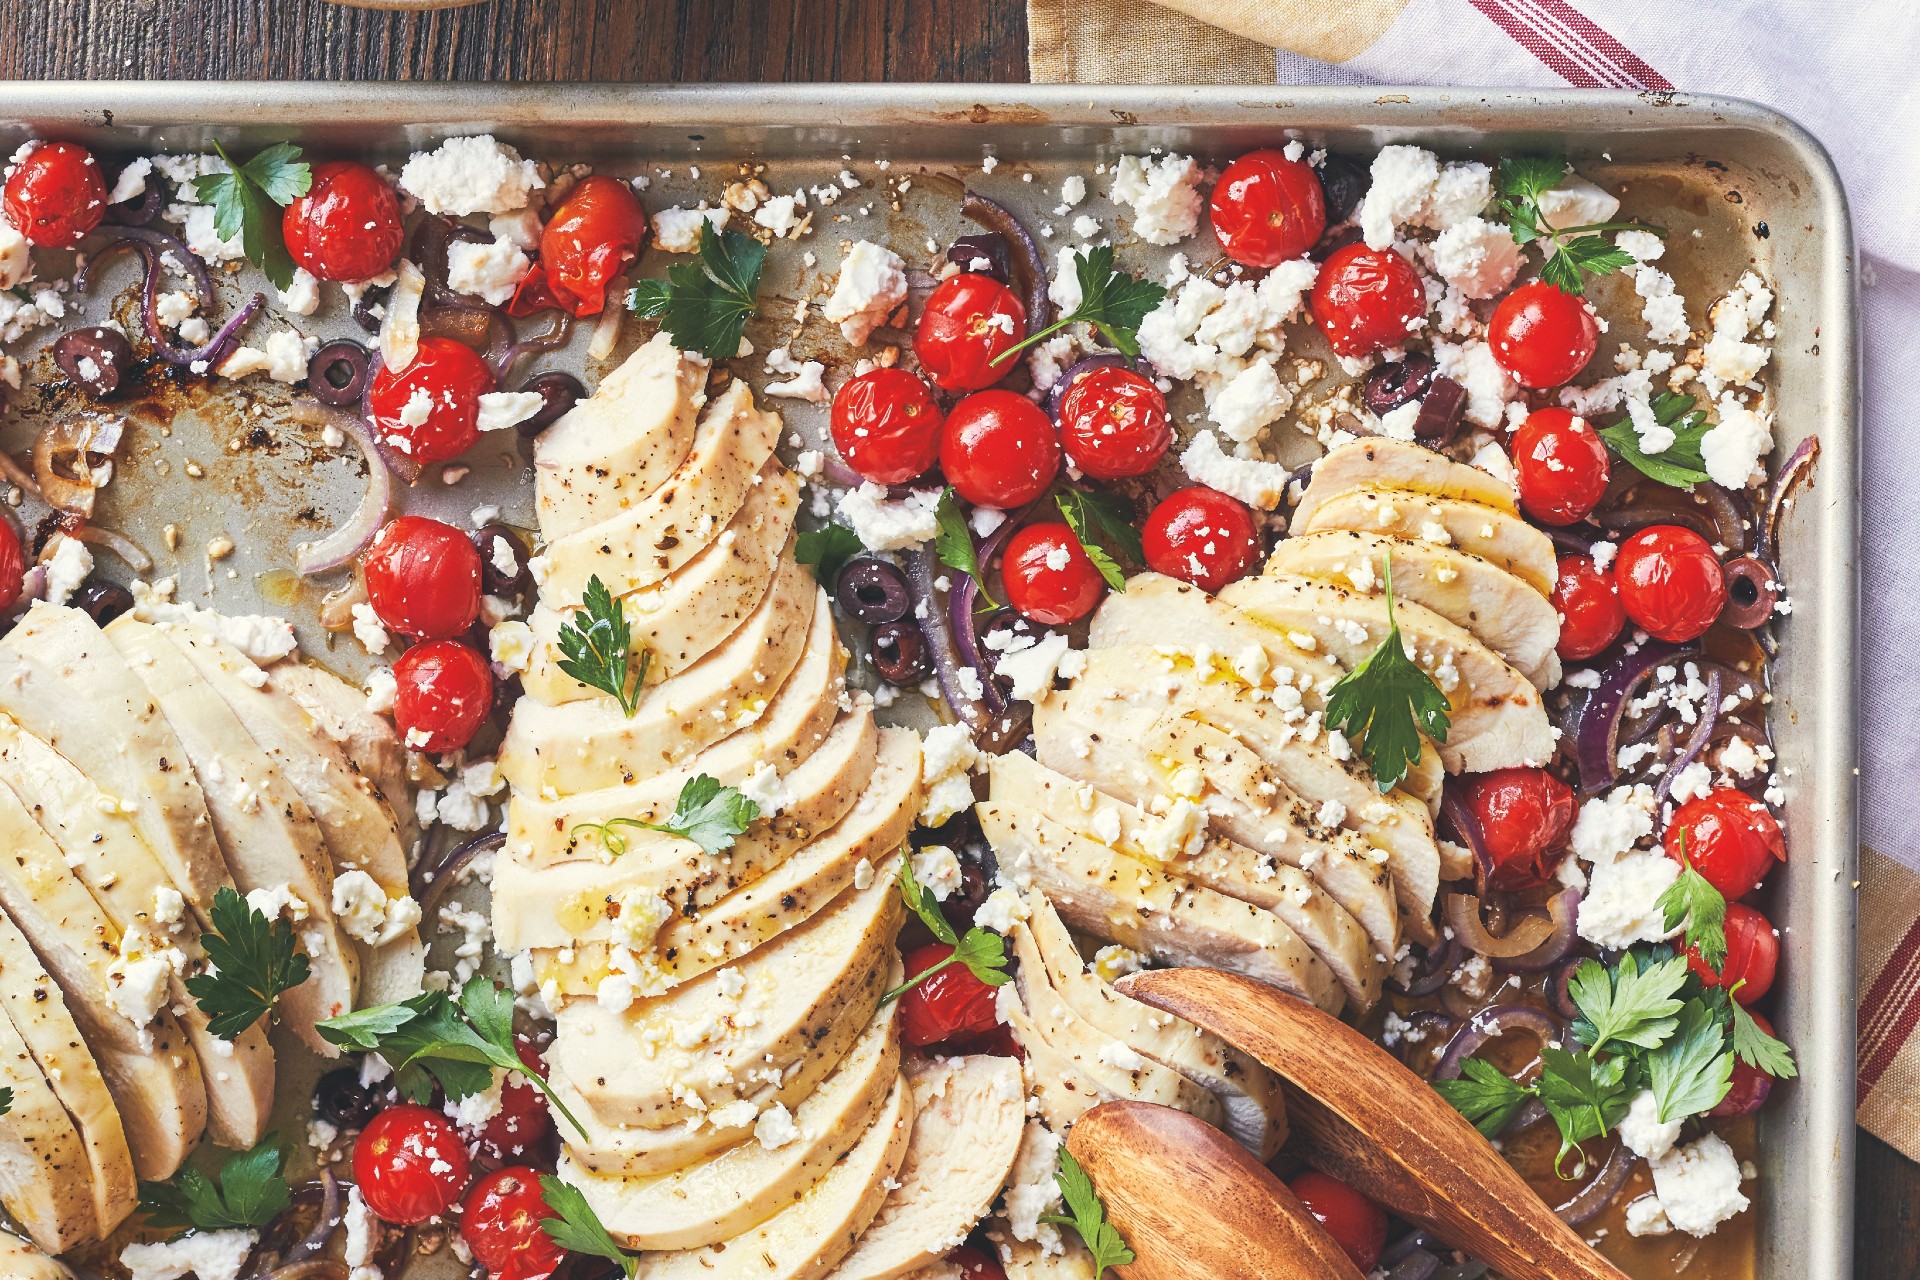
1029,1260
46,1183
1398,464
1492,534
339,712
21,1261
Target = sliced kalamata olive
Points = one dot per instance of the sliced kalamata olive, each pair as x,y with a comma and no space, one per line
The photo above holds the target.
498,550
561,391
872,592
96,358
102,601
969,252
341,1099
1398,382
1441,412
1344,181
337,374
900,653
1752,592
364,314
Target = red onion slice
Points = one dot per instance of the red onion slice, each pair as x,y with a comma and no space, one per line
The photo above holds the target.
1696,741
1496,1020
1028,263
1597,739
118,543
432,882
1599,1193
1796,471
350,539
1525,936
1563,914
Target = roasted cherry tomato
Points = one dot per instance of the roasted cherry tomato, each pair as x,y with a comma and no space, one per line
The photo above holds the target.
1753,954
1357,1224
886,425
1048,575
1267,208
997,1042
969,320
1524,816
1560,466
423,578
1670,582
999,450
442,693
975,1265
431,412
347,226
1589,608
1366,299
1728,837
500,1221
1202,536
1750,1087
950,1003
1114,424
55,195
1542,336
592,236
13,568
523,1121
410,1164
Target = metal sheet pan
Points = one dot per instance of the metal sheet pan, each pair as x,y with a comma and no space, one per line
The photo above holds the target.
1757,181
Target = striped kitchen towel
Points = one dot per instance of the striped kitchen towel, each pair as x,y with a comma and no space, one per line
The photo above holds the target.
1846,73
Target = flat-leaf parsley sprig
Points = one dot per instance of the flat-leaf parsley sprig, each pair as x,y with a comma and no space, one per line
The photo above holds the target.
1387,702
982,951
710,815
953,543
1088,1216
598,651
247,202
249,1194
576,1228
1572,252
1112,301
1681,464
254,962
705,304
1104,525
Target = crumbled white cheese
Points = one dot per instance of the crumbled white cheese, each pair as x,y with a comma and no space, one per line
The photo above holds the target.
1003,908
1249,402
1033,668
1113,962
499,410
1164,194
463,805
891,524
780,215
1734,447
871,286
1489,387
677,230
765,789
947,758
67,568
639,916
1477,257
1699,1185
208,1255
937,870
491,271
368,629
1256,483
1576,203
1032,1191
302,297
365,911
1646,1216
263,638
470,175
1644,1132
775,1127
380,689
1622,902
363,1236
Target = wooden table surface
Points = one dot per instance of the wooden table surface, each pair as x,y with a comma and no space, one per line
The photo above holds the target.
642,40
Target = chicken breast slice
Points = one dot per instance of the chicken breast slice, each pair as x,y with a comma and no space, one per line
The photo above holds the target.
338,712
1398,464
46,1183
1488,532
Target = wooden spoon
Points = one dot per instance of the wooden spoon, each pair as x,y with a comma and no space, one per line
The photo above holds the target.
1363,1117
1193,1204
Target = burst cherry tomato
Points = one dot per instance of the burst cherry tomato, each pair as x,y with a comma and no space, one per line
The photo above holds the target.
500,1221
1670,582
1267,208
1524,816
442,693
1366,299
1589,609
969,320
999,450
1753,954
1542,336
886,425
431,412
1048,575
347,226
1202,536
1750,1087
950,1003
592,236
975,1265
410,1164
1357,1224
55,195
423,578
1560,466
1729,837
523,1121
12,565
1114,424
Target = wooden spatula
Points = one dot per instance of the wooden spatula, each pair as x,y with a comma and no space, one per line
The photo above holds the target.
1193,1204
1360,1115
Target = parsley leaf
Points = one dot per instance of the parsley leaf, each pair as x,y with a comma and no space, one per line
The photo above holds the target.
598,654
577,1228
1572,253
953,543
827,549
1585,1095
1693,899
250,1193
708,814
1487,1098
1089,1219
705,304
1113,302
1627,1004
6,1100
1680,464
982,951
1102,521
1589,254
247,203
253,964
1693,1070
1386,702
1754,1046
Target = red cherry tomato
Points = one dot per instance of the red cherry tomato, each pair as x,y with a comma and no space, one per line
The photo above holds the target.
592,236
1114,424
55,195
1524,816
13,568
1542,336
500,1221
430,412
1750,1087
1202,536
969,320
1589,609
423,578
1357,1224
1753,954
442,693
1366,299
1670,582
999,450
1267,208
523,1121
975,1265
410,1164
347,226
886,425
996,1042
1560,465
1048,576
950,1003
1729,837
